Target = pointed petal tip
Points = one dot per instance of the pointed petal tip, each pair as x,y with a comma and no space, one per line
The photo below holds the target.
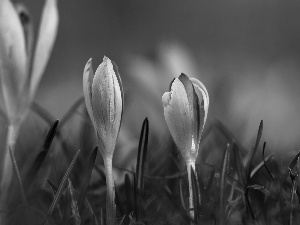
166,98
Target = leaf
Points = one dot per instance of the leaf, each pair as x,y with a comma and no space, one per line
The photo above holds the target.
72,110
62,184
128,191
86,178
16,169
196,195
42,155
223,178
262,189
290,167
74,206
140,167
261,165
240,169
249,157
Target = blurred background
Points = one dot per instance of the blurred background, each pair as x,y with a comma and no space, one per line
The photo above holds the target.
245,52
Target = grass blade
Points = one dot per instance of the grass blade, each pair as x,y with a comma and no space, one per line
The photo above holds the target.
62,184
15,165
249,157
42,155
223,179
128,191
265,164
43,113
197,197
240,169
72,110
140,167
290,167
86,178
74,206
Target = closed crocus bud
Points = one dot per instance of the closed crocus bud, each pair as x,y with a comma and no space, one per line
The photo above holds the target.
103,94
185,109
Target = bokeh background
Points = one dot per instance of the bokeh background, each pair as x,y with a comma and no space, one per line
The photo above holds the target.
246,53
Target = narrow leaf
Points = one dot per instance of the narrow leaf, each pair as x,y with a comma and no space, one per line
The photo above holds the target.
86,178
74,206
240,169
249,157
62,184
140,165
72,110
196,195
42,155
223,178
15,165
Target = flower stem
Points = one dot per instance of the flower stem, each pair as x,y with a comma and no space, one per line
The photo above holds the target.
190,165
7,166
110,193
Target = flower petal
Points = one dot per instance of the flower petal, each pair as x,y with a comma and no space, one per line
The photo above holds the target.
193,106
203,103
107,105
27,24
13,58
45,42
88,75
118,77
179,119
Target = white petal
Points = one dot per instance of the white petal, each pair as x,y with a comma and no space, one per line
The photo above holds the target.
12,58
203,103
88,75
45,42
105,102
179,118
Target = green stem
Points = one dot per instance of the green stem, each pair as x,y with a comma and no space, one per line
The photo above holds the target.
190,164
110,193
7,167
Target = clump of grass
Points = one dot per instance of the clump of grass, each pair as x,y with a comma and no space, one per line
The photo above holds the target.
239,191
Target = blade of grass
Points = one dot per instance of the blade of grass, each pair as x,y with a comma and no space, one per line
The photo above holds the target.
263,190
15,165
223,178
62,184
140,168
240,169
197,197
42,155
261,165
53,187
290,167
43,113
74,206
249,157
294,184
265,164
181,195
128,191
72,110
86,178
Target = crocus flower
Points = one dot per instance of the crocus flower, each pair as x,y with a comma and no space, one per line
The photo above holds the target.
185,110
21,66
103,94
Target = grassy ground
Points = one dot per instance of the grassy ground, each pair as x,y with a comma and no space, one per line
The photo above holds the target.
56,182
